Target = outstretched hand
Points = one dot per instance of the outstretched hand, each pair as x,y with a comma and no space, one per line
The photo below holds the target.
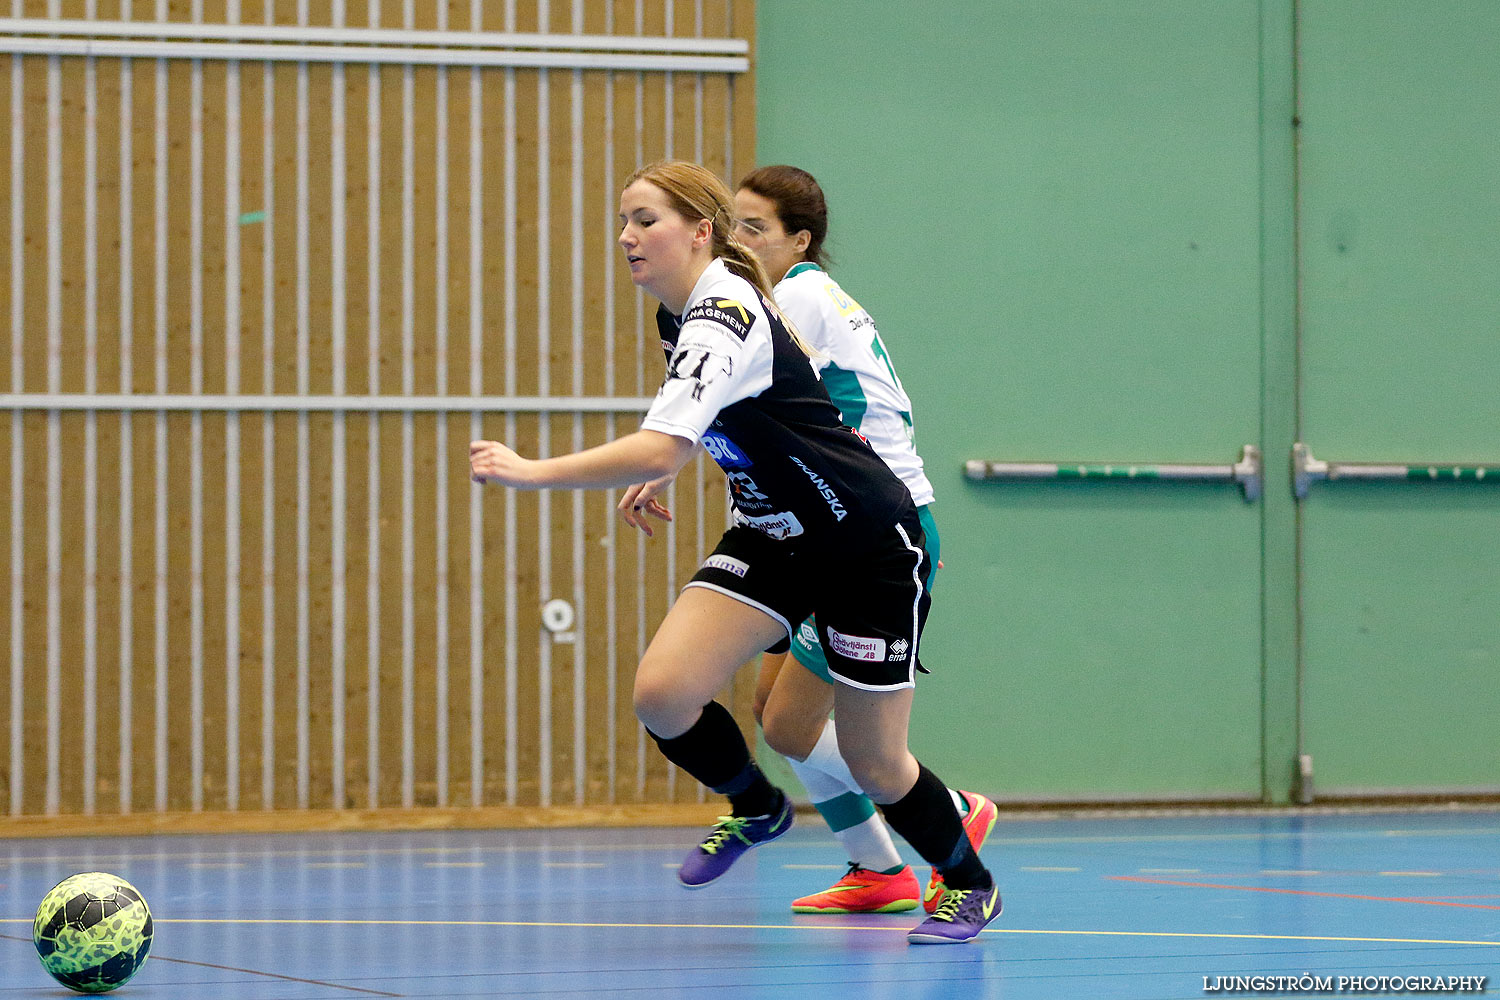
639,502
493,463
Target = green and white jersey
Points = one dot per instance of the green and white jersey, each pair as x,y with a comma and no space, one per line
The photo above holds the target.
856,369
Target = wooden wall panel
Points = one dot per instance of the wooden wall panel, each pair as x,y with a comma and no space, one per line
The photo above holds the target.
280,602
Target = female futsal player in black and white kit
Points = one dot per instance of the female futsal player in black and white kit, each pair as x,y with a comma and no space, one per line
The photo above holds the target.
822,526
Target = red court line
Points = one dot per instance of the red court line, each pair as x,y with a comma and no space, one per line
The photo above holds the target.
1302,892
1490,896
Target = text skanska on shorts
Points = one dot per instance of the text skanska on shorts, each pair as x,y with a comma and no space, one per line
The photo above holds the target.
1344,984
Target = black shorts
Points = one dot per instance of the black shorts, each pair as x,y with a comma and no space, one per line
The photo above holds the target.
870,600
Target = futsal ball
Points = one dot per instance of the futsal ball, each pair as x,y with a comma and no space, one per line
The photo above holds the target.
93,932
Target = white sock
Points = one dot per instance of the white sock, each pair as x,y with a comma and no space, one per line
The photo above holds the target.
959,804
838,798
869,845
826,759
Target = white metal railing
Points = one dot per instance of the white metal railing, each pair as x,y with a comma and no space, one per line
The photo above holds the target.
282,43
289,403
367,36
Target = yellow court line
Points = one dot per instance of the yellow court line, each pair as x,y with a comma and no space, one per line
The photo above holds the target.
888,928
302,852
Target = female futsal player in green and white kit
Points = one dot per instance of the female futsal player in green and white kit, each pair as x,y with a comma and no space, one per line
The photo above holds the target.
783,217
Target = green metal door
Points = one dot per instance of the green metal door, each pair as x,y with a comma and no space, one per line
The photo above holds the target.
1090,235
1057,230
1400,357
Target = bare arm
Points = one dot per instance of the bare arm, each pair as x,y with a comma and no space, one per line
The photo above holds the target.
635,458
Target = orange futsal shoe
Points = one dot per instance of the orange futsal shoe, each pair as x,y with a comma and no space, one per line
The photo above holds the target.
864,891
978,823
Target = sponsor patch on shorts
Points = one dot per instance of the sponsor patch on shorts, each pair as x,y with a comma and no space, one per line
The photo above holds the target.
857,647
728,564
777,526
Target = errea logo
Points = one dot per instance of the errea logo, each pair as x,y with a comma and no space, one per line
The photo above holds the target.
898,650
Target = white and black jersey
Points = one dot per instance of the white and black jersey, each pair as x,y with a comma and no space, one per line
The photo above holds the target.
738,382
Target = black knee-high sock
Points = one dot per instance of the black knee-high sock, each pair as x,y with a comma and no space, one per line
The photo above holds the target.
925,816
714,752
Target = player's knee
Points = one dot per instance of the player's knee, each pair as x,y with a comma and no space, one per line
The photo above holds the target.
790,734
758,707
660,703
653,699
885,775
779,736
653,706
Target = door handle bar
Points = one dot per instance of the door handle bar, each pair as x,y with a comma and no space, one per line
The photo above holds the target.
1247,472
1307,470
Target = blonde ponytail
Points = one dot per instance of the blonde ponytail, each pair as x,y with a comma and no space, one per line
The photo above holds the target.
742,261
695,193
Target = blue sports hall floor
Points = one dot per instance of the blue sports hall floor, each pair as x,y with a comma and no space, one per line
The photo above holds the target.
1107,905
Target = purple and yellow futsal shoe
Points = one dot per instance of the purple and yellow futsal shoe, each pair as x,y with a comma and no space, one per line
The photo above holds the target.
960,916
978,822
732,837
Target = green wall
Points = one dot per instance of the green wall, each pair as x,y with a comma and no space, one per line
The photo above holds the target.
1089,231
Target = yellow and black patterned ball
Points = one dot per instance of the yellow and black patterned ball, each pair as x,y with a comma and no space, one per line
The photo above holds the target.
93,932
